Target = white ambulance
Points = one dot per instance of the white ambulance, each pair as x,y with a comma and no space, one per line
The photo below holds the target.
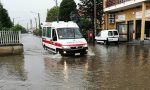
64,38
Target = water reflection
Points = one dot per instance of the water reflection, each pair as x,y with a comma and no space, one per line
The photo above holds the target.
66,72
113,67
12,68
123,67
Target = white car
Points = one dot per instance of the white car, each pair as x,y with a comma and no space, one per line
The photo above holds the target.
107,36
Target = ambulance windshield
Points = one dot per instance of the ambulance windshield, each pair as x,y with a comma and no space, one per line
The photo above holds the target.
69,33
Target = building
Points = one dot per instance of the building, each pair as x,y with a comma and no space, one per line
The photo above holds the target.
130,17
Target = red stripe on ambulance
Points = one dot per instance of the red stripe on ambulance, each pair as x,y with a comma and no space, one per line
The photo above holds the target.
52,43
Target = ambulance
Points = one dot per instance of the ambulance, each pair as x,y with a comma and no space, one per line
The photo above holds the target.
64,38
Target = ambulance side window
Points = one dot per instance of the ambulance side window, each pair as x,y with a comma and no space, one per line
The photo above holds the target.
49,32
44,31
54,36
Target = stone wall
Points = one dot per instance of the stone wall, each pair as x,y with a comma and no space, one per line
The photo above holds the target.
11,49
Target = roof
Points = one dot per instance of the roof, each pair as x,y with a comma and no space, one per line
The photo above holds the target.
60,24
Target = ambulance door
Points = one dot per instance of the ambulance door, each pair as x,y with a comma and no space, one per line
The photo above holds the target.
49,37
54,39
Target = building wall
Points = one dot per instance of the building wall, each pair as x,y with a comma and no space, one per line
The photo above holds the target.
130,14
123,17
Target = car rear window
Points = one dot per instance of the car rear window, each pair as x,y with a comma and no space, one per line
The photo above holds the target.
115,33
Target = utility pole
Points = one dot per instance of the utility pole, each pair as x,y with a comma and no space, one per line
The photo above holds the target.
39,21
27,27
35,23
57,11
94,19
14,21
31,23
38,18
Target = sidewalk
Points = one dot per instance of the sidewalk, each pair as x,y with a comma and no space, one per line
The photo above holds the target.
138,42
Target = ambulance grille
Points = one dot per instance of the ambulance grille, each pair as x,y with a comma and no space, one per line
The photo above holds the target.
80,47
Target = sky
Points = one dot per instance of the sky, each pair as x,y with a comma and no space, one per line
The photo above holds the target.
24,10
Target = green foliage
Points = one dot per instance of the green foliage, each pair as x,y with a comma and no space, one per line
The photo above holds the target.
19,28
85,23
4,18
0,25
37,32
66,7
52,14
87,8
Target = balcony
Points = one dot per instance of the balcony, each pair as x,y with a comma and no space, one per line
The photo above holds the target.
117,5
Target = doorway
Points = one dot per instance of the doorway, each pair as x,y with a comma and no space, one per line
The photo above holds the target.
138,29
130,30
122,29
147,30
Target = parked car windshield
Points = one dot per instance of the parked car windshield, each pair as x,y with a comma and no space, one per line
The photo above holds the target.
69,33
99,34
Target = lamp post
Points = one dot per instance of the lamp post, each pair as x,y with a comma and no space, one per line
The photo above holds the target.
35,23
38,18
94,18
14,20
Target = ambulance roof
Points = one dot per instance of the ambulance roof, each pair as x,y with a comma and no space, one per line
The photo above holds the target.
60,24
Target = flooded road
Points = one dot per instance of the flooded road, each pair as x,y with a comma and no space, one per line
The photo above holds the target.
123,67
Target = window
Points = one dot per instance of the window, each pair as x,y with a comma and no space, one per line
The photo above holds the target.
111,18
99,34
49,32
54,35
69,33
110,33
44,31
115,33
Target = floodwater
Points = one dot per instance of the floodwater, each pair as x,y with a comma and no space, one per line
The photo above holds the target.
123,67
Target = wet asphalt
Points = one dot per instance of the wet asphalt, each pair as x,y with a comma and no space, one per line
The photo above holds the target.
113,67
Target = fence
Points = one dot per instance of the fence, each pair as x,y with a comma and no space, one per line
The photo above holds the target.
9,37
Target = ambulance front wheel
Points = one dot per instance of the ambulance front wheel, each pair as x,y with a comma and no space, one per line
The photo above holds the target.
61,52
83,53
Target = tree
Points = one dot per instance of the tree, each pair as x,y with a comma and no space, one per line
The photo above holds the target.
52,14
66,7
4,18
87,8
19,28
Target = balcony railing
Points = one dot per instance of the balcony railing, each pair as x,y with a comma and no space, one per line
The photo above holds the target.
110,3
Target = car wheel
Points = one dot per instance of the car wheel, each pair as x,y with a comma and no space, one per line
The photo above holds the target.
106,42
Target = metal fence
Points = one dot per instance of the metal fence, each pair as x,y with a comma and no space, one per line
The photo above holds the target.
9,37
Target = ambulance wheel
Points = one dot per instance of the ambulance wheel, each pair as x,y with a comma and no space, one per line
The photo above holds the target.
61,52
83,53
57,51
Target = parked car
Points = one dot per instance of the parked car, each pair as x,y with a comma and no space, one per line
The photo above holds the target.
107,36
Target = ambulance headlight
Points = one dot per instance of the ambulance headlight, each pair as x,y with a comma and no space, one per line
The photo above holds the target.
65,47
85,45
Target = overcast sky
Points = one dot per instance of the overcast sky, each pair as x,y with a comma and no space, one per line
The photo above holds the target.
21,9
